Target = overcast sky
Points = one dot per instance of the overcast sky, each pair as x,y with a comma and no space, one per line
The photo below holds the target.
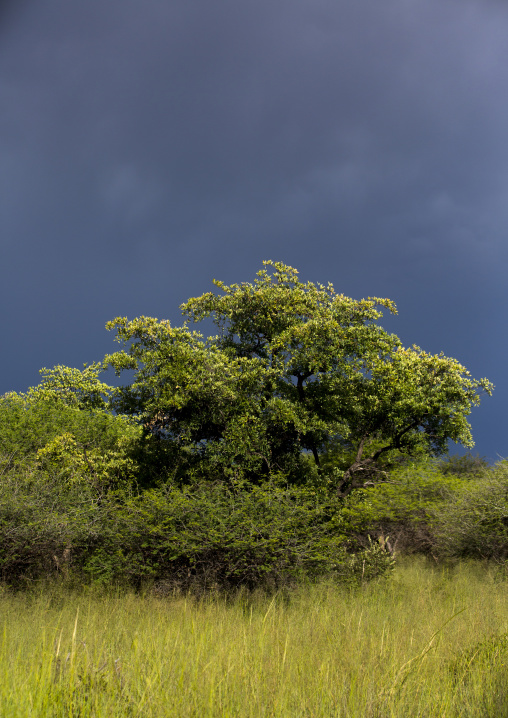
148,146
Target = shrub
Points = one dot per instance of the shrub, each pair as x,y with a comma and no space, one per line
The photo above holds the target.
436,508
81,445
46,524
402,510
191,538
475,524
466,465
211,536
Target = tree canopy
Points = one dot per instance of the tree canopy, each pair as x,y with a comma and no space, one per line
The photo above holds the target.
295,371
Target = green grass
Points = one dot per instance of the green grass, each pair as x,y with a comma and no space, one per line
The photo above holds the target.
426,642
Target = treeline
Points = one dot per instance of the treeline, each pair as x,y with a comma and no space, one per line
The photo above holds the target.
302,440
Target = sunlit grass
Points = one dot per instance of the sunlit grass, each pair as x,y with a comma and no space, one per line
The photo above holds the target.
407,646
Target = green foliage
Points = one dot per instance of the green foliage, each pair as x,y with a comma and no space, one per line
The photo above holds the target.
66,471
295,369
435,508
402,509
231,460
84,445
268,535
80,388
475,524
466,465
61,454
210,537
199,538
43,522
204,407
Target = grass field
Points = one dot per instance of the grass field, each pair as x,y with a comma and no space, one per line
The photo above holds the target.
426,642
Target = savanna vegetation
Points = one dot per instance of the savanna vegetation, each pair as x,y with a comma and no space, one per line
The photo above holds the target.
265,521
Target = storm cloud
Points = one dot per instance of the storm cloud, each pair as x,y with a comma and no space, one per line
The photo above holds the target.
147,147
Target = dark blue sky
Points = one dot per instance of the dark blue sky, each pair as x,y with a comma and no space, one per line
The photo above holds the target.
148,146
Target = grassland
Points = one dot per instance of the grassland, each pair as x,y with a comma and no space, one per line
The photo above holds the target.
425,642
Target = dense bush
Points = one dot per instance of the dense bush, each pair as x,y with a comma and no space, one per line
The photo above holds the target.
207,536
475,523
401,510
53,520
42,519
263,536
71,504
424,507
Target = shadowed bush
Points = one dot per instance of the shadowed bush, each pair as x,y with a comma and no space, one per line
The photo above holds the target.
206,537
444,509
211,536
475,524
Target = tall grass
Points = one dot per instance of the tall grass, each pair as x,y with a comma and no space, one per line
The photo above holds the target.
425,642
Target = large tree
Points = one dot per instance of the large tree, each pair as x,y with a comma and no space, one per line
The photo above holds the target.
295,369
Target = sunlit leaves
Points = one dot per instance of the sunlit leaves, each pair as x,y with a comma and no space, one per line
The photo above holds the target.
295,370
74,387
345,378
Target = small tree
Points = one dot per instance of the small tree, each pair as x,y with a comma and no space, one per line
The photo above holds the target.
64,427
